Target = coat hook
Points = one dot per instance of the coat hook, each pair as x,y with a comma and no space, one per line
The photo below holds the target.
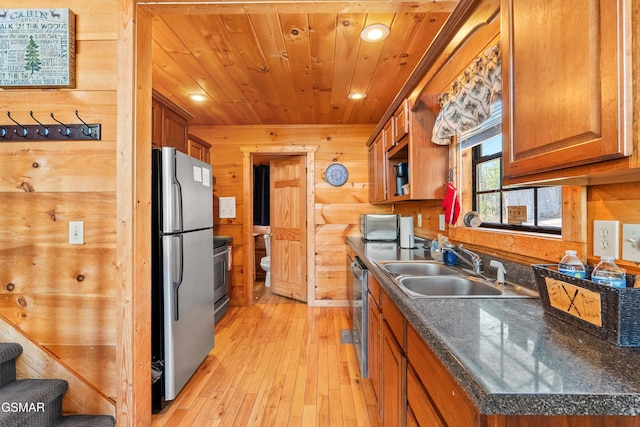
67,129
45,131
89,130
24,129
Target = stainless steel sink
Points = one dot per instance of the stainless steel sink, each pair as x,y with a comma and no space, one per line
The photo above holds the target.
416,268
448,286
431,279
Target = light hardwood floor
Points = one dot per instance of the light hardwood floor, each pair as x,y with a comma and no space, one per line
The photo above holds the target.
276,364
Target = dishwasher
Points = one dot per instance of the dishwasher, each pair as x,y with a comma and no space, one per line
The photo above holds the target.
358,291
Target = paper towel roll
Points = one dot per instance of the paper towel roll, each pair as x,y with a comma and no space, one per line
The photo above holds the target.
406,232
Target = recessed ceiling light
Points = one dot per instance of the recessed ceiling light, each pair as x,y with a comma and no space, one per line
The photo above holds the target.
357,95
374,33
197,97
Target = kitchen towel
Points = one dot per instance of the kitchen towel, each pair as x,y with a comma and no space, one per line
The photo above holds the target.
451,204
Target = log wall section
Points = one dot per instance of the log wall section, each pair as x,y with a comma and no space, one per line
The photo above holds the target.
63,296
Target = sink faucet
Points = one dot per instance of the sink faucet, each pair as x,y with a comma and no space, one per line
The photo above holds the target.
474,259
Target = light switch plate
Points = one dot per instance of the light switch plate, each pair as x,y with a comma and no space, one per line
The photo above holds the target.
227,207
631,242
76,232
606,238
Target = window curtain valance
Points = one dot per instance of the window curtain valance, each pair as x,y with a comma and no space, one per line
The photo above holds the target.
468,102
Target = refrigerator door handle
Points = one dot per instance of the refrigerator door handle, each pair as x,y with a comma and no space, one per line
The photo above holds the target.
180,274
178,205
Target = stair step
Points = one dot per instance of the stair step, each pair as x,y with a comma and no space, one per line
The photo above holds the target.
9,351
8,354
32,402
86,421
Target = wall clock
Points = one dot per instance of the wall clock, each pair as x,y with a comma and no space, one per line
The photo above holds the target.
336,174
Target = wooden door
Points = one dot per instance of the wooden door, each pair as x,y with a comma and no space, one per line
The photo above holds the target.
289,227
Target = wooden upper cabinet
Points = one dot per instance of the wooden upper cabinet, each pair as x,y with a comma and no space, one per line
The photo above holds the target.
378,170
199,148
401,121
567,98
427,162
175,130
388,132
170,124
156,123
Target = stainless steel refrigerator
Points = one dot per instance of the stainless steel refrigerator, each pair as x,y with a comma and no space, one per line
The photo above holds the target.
182,294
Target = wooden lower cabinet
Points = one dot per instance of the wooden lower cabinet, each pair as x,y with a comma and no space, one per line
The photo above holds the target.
414,388
442,391
392,382
373,334
420,408
434,398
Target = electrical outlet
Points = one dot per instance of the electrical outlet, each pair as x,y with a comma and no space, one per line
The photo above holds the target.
419,220
631,242
441,221
606,240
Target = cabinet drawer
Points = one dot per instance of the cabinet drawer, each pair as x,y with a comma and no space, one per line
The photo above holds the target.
393,317
452,402
420,404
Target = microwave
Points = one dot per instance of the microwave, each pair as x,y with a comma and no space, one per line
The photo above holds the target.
379,226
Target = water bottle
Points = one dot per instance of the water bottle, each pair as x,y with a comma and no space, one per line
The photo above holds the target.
571,265
608,273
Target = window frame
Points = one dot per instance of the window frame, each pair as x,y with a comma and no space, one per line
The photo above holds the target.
477,159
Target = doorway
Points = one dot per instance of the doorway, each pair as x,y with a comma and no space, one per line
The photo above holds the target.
255,154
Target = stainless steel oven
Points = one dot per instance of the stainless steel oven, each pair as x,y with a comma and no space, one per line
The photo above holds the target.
221,266
358,291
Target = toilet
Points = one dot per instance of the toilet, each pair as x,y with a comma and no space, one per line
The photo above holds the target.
265,262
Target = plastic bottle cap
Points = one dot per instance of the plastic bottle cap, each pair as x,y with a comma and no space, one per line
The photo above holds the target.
606,258
570,252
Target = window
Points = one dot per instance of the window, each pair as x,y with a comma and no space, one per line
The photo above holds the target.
537,209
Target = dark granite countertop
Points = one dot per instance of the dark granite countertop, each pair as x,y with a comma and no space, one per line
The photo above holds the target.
510,357
221,241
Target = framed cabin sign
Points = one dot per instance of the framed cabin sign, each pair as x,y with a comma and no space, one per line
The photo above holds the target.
37,48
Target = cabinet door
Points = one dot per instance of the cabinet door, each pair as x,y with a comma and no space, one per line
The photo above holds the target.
373,335
420,406
393,366
401,121
452,403
566,79
379,170
156,124
196,150
175,131
372,172
387,135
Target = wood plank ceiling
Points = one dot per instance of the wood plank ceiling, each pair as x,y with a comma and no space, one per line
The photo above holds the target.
289,65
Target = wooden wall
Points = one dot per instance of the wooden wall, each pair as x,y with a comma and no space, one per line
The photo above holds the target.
337,209
603,202
63,296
